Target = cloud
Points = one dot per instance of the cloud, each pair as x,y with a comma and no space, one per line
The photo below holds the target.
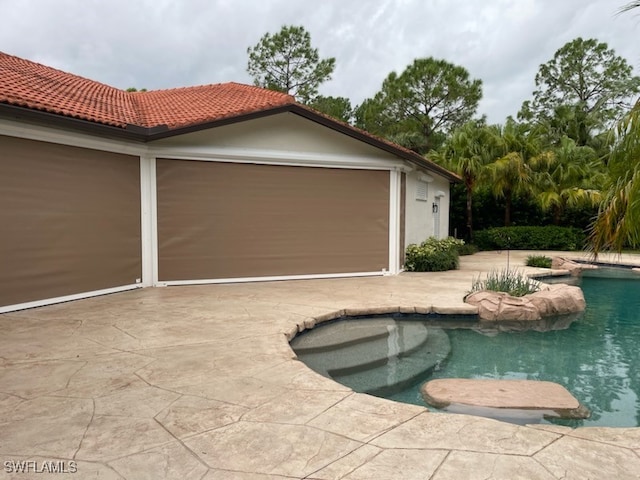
164,44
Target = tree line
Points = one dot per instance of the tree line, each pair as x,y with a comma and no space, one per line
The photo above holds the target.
572,155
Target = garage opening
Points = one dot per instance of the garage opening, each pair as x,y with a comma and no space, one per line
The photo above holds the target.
219,220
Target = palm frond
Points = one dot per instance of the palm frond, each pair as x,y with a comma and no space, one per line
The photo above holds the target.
617,223
629,6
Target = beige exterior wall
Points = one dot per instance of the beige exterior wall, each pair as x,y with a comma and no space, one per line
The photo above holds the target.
420,218
284,132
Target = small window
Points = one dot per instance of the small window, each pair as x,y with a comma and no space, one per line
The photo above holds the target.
421,191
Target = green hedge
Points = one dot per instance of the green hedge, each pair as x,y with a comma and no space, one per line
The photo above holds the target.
433,255
530,238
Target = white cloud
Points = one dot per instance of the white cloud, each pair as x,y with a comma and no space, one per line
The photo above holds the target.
163,44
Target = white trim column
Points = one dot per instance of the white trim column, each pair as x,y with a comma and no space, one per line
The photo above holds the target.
148,214
394,221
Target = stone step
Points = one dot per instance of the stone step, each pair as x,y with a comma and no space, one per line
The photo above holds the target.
356,345
401,371
466,395
343,334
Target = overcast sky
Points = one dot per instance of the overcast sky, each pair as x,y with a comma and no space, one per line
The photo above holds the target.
173,43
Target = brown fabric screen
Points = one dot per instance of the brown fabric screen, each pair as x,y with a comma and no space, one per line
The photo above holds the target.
227,220
70,220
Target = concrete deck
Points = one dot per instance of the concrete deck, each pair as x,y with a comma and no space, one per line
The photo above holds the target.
200,383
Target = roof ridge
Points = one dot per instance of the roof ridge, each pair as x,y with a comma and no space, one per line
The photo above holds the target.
258,88
47,67
172,89
41,87
218,84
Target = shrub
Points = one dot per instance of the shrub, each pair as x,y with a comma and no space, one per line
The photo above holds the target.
433,255
530,238
538,261
513,282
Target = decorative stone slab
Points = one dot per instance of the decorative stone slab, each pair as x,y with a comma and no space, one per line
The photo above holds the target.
507,394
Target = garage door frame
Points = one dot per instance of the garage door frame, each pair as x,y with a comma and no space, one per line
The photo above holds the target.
394,169
44,134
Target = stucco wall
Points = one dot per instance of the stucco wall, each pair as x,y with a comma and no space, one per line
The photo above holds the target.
284,132
420,218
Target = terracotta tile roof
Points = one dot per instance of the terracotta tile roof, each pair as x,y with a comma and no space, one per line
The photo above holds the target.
180,107
32,85
28,84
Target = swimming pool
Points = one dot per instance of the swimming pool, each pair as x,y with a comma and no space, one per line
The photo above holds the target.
596,356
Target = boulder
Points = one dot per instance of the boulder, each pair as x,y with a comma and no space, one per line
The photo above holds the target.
552,398
502,306
558,299
574,268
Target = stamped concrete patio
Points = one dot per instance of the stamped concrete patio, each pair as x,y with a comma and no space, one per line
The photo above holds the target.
200,383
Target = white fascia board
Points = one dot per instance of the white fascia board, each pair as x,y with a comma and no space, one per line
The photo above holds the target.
170,283
275,157
67,298
73,139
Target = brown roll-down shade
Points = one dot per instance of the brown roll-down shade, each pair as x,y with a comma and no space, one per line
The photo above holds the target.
229,220
70,220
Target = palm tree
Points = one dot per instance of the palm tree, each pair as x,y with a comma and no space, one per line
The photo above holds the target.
569,175
511,173
618,221
468,152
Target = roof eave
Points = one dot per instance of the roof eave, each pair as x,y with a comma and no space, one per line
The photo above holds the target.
389,147
220,122
130,132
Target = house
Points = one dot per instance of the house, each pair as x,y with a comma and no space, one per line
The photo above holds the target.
104,190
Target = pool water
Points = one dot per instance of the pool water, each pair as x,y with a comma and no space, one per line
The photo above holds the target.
597,358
